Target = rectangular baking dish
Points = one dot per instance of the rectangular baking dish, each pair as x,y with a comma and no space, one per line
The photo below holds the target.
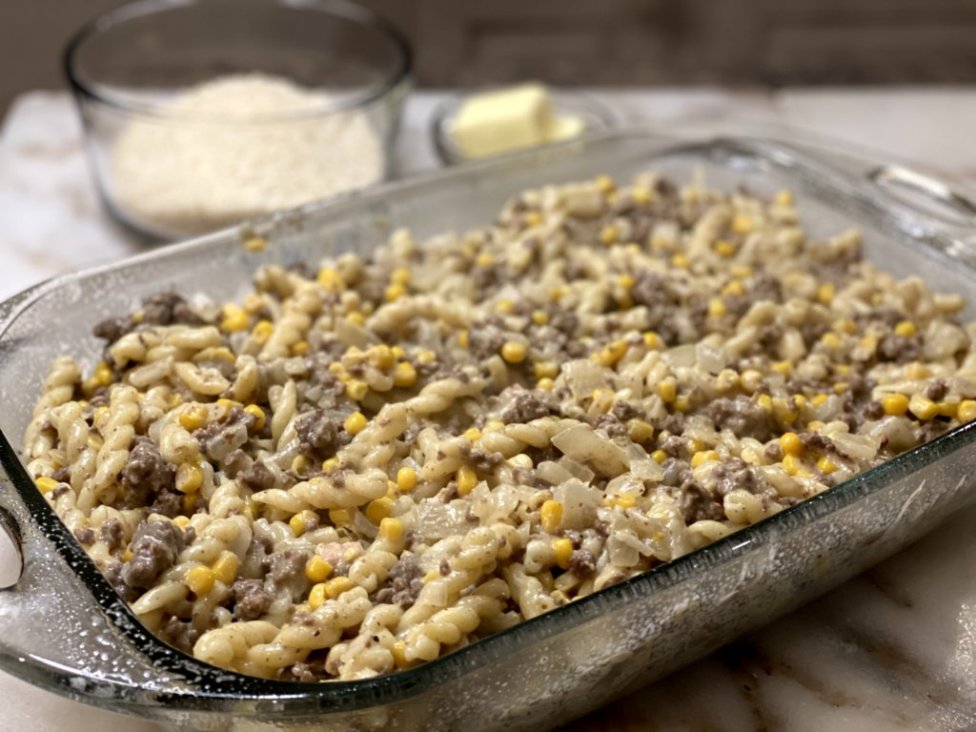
64,629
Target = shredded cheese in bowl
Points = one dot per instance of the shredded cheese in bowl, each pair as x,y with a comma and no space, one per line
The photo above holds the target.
236,147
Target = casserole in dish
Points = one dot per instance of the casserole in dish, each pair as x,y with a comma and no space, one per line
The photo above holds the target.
633,630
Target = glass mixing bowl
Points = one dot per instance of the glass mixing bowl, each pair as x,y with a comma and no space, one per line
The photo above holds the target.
199,114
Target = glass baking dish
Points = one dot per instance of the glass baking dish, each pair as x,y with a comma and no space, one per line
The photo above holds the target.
63,628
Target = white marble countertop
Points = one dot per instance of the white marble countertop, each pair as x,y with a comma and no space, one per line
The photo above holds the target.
894,649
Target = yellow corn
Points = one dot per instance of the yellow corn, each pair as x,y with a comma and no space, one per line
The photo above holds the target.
406,479
299,464
562,551
226,566
391,529
316,596
484,260
299,349
705,456
234,319
255,244
300,521
724,248
339,516
682,403
317,569
356,317
227,404
924,409
841,386
189,478
609,235
382,357
680,261
642,195
792,465
189,503
659,456
546,384
791,444
784,368
463,339
193,417
337,585
540,317
467,479
742,224
967,411
894,404
262,331
400,276
395,292
532,218
181,522
667,390
330,279
652,340
472,434
612,353
200,580
404,374
378,509
818,400
734,288
765,402
917,371
513,352
826,466
357,390
505,307
826,293
45,484
103,374
624,501
259,417
906,329
399,652
783,198
639,431
716,307
355,423
545,369
330,464
831,340
551,515
947,409
846,325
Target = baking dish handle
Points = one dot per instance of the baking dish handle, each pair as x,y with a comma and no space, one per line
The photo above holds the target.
926,193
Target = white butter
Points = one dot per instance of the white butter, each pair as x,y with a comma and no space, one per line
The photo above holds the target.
509,119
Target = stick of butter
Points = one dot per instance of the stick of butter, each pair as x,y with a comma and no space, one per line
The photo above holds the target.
508,119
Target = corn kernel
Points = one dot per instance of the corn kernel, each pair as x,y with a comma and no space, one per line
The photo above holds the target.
234,319
716,308
642,195
765,402
562,551
226,566
467,479
841,386
337,585
532,218
399,652
259,417
378,509
846,325
484,260
652,340
831,341
200,580
791,464
894,404
667,390
330,279
612,353
680,261
255,244
45,484
734,288
382,357
181,522
395,292
355,423
513,352
609,235
947,409
406,479
924,409
189,503
545,369
189,478
826,293
818,400
917,371
103,374
505,307
193,417
546,384
391,529
966,411
826,466
227,404
791,444
659,456
682,403
357,390
605,183
262,331
472,434
705,456
556,293
724,248
299,464
906,329
340,516
316,596
300,521
551,515
624,501
784,368
356,317
463,339
742,224
404,374
783,198
317,569
540,317
639,431
400,276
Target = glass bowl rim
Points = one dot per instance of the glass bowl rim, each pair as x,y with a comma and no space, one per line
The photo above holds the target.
92,90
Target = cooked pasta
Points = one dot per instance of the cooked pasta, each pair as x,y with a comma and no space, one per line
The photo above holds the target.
364,466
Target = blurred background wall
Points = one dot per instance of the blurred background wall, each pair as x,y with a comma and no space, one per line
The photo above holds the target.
608,42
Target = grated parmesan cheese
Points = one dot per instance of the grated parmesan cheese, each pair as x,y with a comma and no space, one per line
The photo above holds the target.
224,153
